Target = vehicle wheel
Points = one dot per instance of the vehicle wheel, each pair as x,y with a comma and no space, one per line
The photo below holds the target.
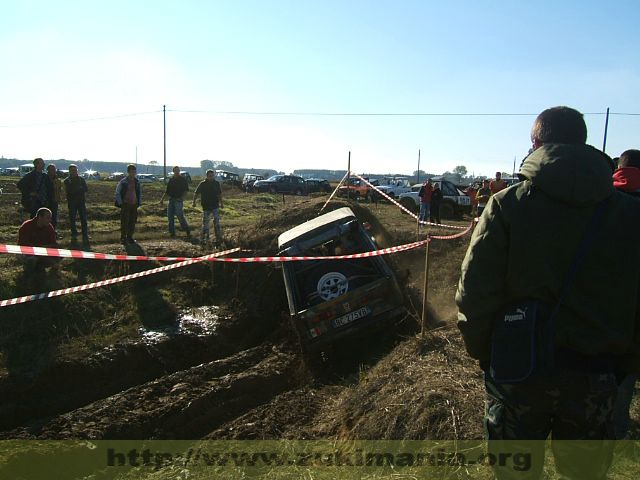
331,285
273,190
409,204
447,210
298,192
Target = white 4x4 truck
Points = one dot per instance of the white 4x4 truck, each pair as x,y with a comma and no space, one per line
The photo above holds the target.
454,201
395,187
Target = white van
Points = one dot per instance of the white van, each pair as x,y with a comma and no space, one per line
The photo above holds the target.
24,169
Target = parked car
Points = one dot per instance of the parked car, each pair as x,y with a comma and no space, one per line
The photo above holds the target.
146,178
281,184
185,175
357,189
116,176
317,185
394,187
332,299
228,178
248,180
455,202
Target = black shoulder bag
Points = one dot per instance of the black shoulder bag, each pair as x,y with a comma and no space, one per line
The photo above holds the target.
523,335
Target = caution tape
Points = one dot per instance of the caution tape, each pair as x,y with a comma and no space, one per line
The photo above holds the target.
111,281
392,200
214,257
334,192
80,254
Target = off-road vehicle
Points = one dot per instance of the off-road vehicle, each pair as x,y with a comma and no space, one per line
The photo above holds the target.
333,299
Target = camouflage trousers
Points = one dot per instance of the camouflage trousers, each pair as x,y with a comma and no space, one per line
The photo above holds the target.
569,406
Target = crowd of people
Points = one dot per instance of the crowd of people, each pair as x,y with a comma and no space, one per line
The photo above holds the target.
548,298
41,194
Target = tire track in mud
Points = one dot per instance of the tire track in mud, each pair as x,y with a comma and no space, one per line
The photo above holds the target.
183,405
65,386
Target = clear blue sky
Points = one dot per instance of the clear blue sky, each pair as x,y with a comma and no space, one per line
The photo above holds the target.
64,61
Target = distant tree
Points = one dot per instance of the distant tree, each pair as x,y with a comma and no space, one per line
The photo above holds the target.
461,171
206,165
222,164
153,163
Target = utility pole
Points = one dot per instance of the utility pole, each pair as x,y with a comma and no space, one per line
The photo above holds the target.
164,117
349,177
418,166
606,127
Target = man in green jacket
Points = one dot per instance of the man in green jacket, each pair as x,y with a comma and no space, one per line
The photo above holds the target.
522,249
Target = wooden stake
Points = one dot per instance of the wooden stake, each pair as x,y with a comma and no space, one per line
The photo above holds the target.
426,288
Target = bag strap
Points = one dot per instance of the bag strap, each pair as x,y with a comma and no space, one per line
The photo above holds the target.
585,244
581,253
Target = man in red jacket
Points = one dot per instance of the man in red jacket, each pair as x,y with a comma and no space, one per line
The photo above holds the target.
38,232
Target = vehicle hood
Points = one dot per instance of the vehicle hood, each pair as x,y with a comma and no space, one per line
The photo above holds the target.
574,174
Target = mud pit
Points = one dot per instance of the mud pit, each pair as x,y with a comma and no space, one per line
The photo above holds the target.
234,370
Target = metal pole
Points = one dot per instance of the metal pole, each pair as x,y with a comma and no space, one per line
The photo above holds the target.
606,127
418,166
426,288
164,117
349,177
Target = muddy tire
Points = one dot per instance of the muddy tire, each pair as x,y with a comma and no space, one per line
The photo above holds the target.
273,190
409,204
298,192
447,211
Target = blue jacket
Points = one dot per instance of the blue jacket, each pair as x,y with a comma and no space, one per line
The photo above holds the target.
121,189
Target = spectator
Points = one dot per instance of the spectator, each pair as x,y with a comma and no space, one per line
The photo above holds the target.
128,198
211,201
425,200
76,188
626,179
471,191
483,195
436,200
177,188
583,318
55,195
497,184
35,188
38,232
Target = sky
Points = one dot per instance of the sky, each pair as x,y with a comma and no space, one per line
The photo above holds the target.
299,84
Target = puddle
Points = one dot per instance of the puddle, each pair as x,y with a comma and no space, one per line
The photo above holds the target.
195,322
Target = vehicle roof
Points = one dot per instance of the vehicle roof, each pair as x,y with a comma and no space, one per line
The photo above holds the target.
322,220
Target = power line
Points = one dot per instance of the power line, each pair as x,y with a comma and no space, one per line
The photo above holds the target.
307,114
63,122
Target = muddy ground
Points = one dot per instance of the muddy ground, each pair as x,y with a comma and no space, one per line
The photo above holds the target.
229,367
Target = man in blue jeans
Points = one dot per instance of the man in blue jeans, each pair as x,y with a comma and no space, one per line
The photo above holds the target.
211,199
177,188
76,188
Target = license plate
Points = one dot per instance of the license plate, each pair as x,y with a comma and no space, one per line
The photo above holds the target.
351,317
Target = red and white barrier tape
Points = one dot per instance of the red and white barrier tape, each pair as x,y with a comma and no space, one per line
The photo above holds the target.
58,252
110,281
334,192
214,257
392,200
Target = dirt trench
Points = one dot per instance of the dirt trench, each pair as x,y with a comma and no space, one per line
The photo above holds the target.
182,405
